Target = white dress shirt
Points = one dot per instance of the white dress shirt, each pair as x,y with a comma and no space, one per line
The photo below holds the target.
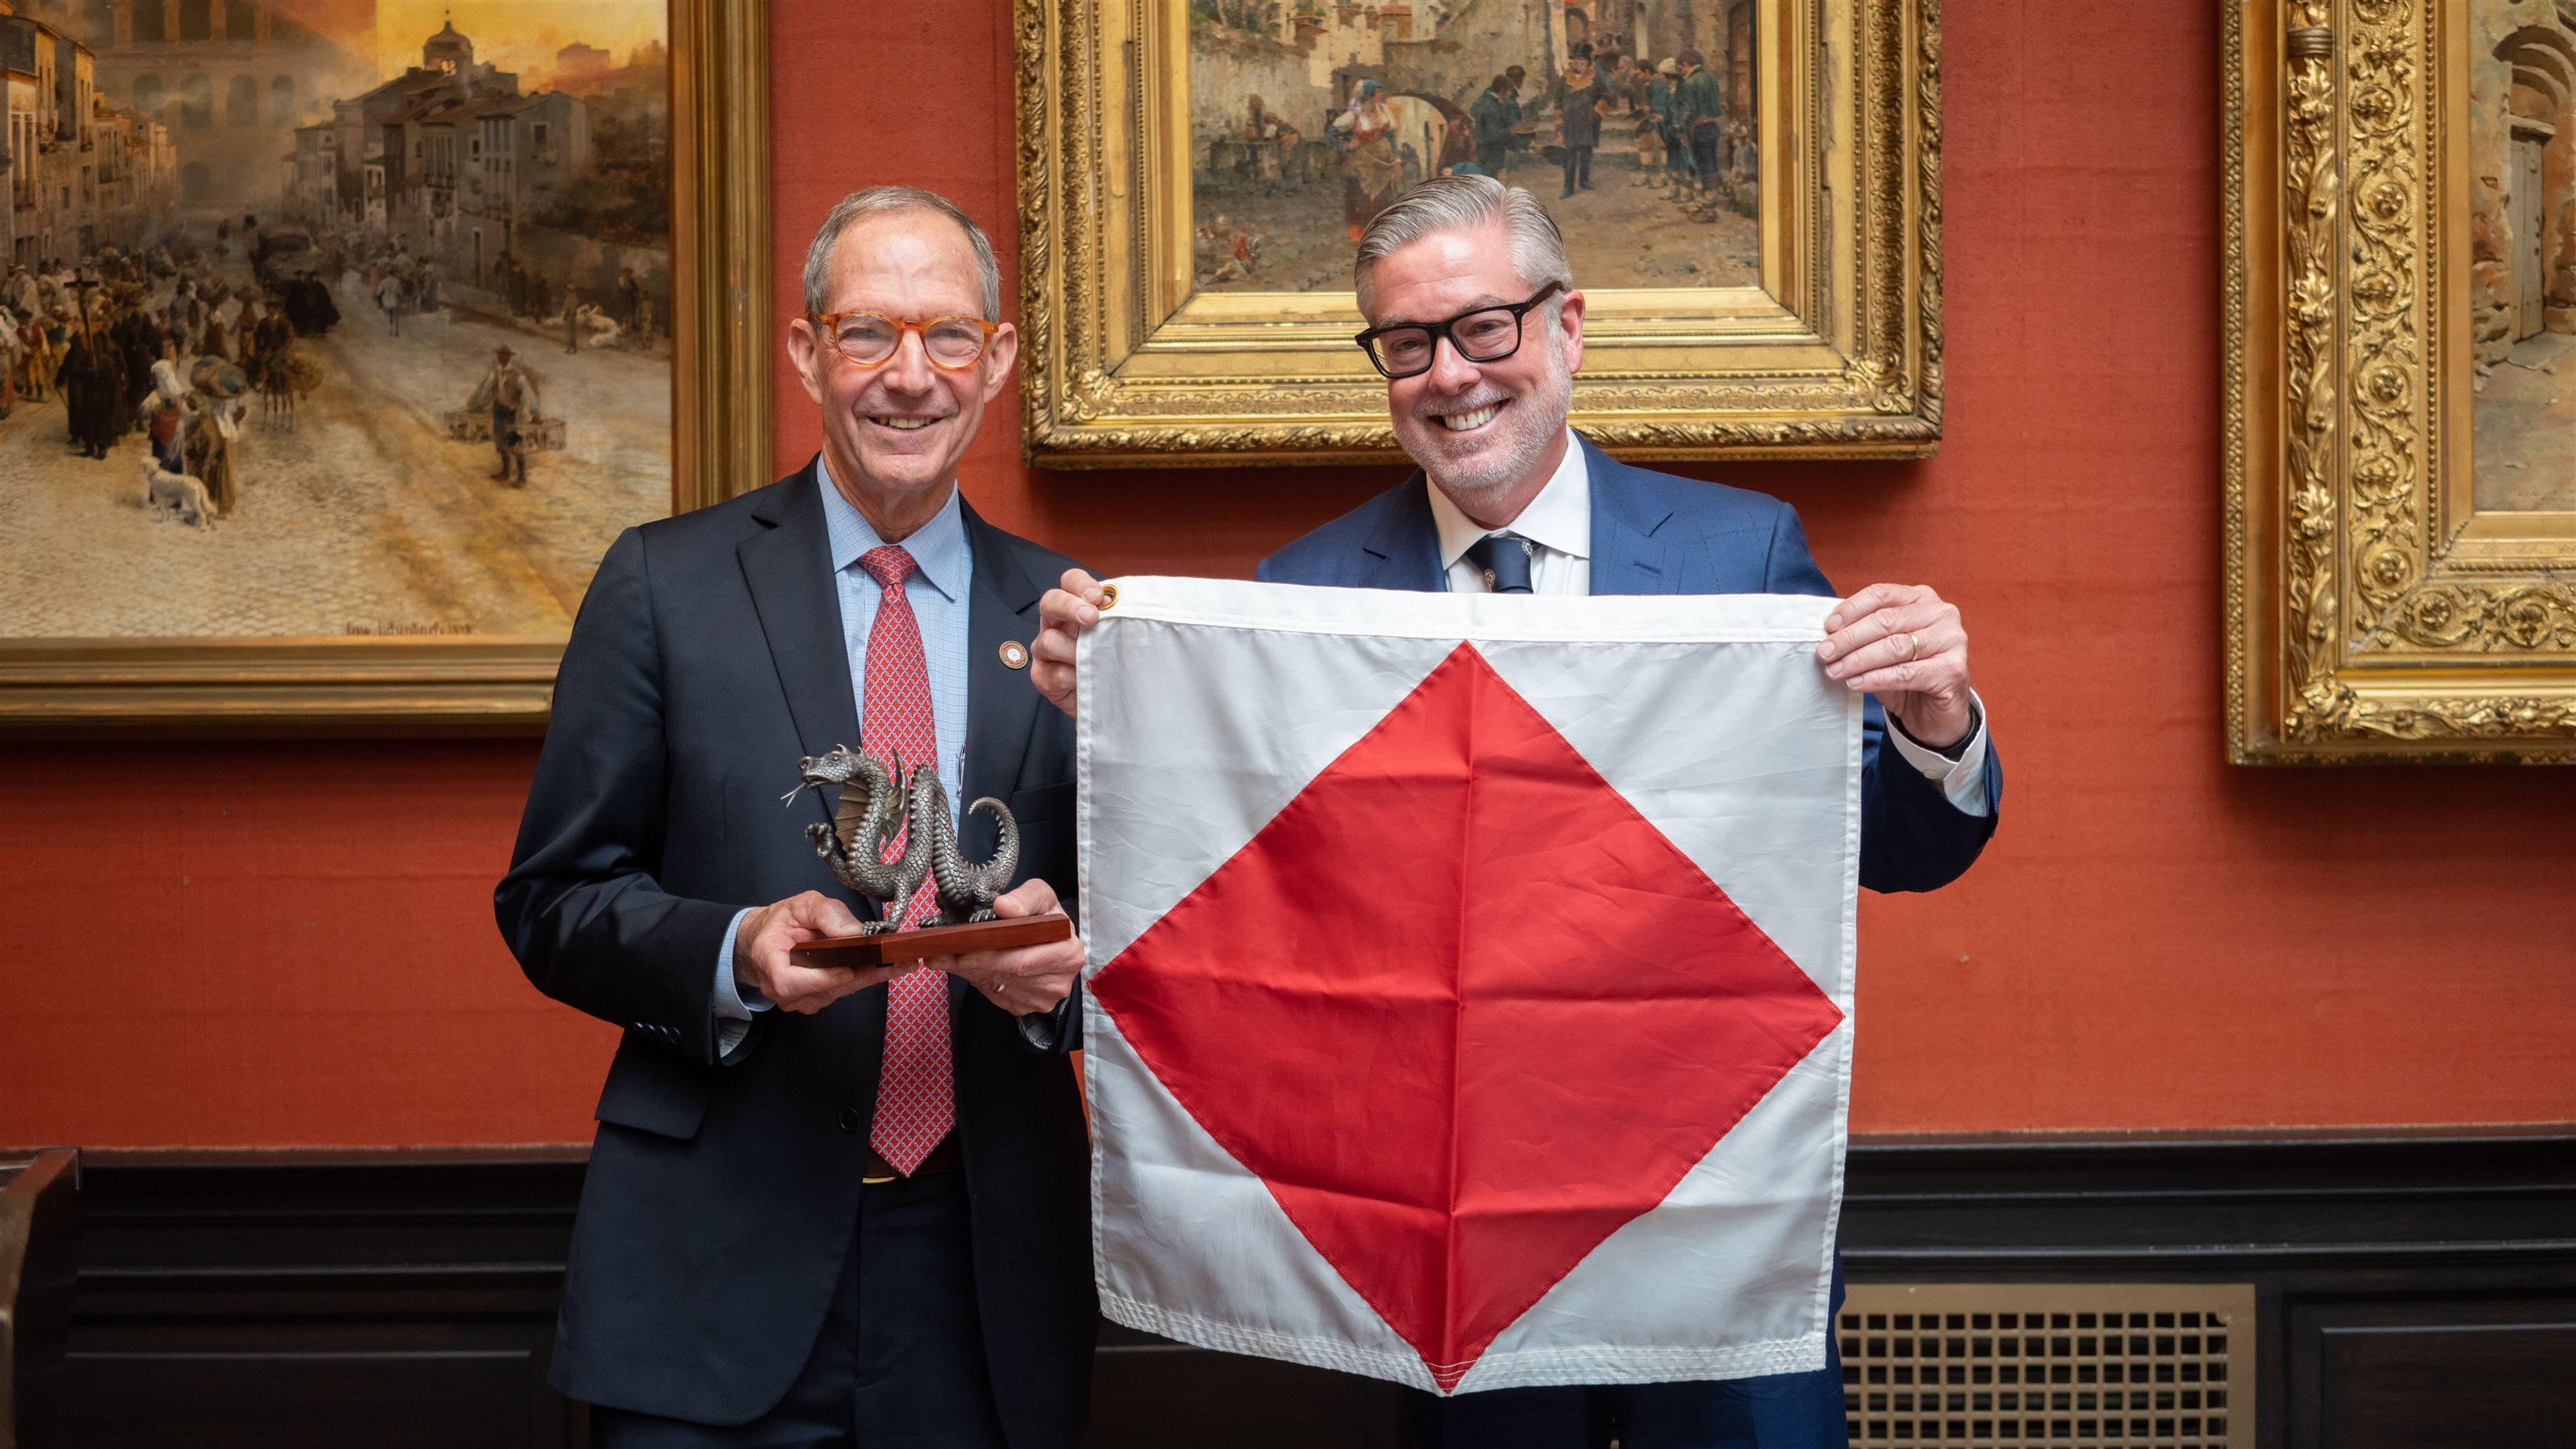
1559,521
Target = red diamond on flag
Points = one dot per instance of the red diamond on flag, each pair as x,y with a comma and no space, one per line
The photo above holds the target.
1464,1011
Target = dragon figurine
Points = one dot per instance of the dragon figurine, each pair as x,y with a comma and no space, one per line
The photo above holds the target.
878,802
866,825
966,890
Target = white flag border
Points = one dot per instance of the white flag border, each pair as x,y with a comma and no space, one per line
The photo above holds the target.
1415,614
1226,603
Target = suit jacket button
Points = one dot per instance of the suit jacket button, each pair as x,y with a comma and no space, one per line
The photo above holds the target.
850,1119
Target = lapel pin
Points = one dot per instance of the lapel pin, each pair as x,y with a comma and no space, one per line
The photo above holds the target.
1015,655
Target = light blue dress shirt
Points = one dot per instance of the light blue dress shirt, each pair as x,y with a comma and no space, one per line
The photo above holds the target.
937,591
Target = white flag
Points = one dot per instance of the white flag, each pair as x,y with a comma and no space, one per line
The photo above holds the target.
1469,993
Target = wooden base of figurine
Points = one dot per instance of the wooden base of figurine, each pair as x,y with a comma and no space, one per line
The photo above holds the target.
896,948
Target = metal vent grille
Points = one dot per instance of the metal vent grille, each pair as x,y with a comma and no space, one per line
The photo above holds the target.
2049,1365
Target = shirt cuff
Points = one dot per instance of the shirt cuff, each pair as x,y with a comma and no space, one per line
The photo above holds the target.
1962,780
1044,1030
729,1035
731,1002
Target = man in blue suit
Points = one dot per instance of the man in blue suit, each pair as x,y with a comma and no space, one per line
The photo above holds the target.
825,1206
1478,329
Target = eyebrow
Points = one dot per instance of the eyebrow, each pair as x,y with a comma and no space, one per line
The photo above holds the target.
1486,299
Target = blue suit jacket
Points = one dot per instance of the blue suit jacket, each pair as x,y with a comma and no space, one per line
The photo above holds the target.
1653,533
722,1193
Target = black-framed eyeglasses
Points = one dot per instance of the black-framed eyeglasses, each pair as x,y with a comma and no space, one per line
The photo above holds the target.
1482,334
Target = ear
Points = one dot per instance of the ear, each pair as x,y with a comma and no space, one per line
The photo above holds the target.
998,358
806,350
1569,318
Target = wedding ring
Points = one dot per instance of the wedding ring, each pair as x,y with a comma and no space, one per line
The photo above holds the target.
1913,646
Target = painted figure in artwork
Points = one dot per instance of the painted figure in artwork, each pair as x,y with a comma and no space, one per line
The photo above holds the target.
1702,121
1582,102
208,427
1372,171
1495,111
1260,129
511,394
92,382
8,359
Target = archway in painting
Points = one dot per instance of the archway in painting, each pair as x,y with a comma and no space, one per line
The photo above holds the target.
2522,268
2539,166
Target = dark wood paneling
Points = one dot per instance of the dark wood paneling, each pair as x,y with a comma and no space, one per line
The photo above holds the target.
2397,1375
311,1395
409,1297
322,1299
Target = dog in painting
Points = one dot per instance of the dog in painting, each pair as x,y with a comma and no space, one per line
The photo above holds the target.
170,494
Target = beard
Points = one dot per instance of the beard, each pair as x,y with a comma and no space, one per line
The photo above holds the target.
1525,428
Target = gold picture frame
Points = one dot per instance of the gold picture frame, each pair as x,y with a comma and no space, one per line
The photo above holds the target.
440,684
2376,609
1837,353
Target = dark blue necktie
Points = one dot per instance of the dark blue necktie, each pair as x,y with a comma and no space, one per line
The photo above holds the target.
1504,559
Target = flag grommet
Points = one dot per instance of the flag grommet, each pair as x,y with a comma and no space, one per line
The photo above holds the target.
1109,596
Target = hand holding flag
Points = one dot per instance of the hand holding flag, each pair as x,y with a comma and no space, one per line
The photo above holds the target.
1064,614
1905,644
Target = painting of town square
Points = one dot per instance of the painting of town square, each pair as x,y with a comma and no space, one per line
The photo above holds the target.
329,317
1634,121
2522,255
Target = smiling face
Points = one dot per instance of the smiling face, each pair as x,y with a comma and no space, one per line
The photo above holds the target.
893,433
1489,434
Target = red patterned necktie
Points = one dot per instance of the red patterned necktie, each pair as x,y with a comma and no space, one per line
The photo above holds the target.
916,1098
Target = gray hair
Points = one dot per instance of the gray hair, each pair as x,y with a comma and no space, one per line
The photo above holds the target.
1464,203
871,201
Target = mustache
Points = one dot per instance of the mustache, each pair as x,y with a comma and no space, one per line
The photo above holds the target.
1481,397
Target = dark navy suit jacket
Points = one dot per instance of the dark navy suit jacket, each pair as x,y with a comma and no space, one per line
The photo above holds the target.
1653,533
723,1193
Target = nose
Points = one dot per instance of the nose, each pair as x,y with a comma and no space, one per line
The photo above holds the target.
908,371
1450,372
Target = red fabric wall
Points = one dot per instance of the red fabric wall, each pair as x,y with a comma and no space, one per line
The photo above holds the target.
288,944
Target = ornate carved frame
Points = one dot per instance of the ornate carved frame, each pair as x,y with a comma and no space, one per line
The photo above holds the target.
1836,354
2373,611
449,685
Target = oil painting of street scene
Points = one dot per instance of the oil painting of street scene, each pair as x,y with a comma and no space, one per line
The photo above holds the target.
2522,254
329,317
1634,121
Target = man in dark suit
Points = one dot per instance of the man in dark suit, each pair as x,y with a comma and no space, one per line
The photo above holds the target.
1494,113
824,1206
1478,329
